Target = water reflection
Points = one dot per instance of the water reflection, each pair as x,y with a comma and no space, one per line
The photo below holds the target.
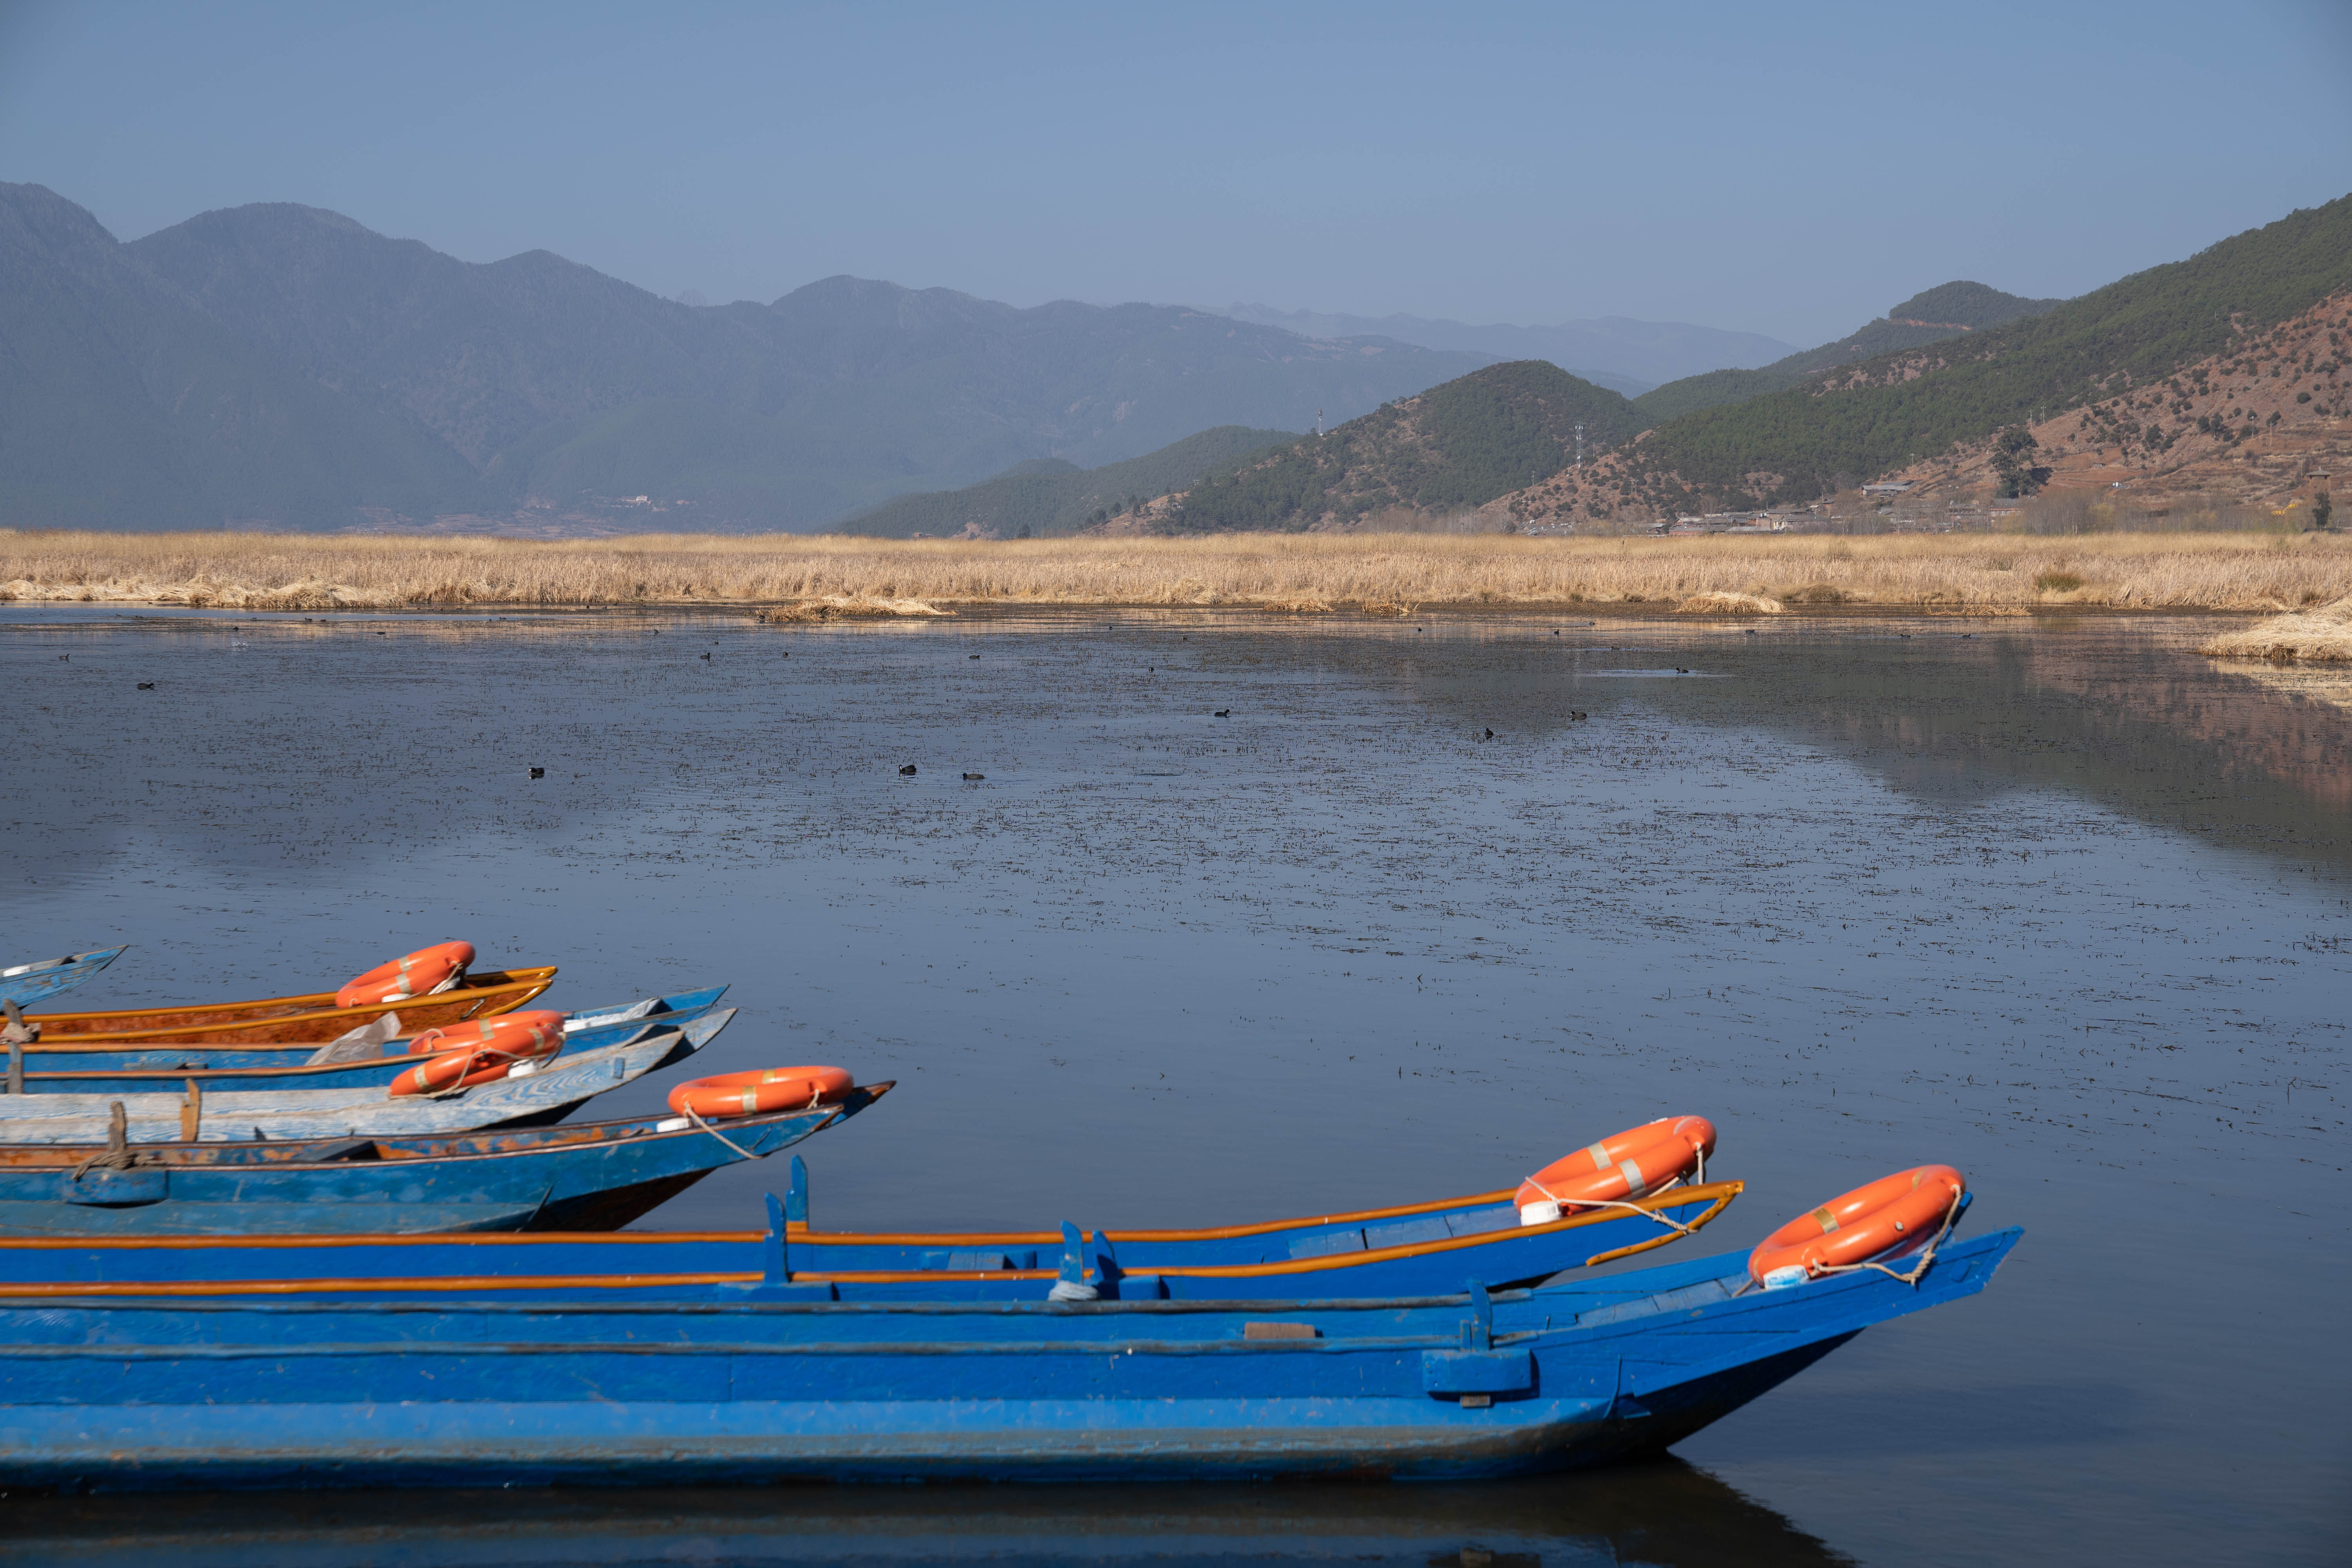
2064,905
1667,1514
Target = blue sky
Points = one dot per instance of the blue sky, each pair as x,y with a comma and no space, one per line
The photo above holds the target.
1791,170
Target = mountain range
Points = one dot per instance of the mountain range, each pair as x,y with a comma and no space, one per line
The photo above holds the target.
1615,351
281,365
1926,387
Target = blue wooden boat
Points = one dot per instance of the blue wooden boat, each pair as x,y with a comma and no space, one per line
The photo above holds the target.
586,1176
43,978
368,1060
551,1092
1415,1248
467,1387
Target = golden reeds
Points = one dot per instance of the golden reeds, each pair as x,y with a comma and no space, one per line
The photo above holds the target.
1382,574
2315,635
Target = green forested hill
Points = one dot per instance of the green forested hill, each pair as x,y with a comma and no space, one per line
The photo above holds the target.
1047,496
1455,446
1888,411
1946,311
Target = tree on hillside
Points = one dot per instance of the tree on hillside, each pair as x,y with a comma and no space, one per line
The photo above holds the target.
2012,460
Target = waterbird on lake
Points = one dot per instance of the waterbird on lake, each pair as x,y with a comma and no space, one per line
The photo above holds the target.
1222,713
705,656
906,771
1490,734
539,773
973,778
971,656
146,686
1576,713
1682,670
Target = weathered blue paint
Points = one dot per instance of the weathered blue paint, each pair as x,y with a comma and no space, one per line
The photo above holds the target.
43,978
106,1394
138,1069
546,1095
590,1176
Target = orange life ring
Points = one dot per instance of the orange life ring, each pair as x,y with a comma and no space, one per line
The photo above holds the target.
441,967
1892,1215
749,1093
1634,1163
480,1052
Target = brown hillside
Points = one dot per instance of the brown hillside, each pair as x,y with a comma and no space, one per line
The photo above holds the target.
2144,440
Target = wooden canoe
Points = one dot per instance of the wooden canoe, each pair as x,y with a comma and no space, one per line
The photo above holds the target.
583,1176
96,1074
546,1095
36,981
170,1058
312,1019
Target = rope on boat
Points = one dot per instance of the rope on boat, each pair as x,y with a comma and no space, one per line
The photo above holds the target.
714,1132
1919,1269
1567,1204
116,1155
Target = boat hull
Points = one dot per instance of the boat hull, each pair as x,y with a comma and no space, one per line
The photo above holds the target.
31,985
287,1020
584,1181
173,1069
475,1394
546,1096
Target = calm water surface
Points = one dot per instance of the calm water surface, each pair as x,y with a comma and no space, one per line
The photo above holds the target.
2058,902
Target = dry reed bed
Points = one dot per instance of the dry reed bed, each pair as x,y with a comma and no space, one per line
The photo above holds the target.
1380,573
2321,635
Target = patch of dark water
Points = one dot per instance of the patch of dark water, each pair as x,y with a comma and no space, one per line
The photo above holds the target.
2061,904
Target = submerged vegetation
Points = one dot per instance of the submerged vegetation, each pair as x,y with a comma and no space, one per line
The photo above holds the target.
1374,572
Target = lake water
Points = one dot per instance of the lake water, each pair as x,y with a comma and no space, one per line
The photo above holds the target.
2059,902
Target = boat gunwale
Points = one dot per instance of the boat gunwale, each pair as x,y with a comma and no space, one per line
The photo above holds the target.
1717,1194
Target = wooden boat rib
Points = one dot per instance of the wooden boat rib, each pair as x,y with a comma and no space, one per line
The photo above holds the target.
285,1020
29,983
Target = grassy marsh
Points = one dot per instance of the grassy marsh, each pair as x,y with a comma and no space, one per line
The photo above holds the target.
1377,573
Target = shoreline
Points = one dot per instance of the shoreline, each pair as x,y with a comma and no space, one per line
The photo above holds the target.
829,576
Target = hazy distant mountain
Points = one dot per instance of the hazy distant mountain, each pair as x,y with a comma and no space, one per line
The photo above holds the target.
124,404
1047,496
1614,351
285,365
